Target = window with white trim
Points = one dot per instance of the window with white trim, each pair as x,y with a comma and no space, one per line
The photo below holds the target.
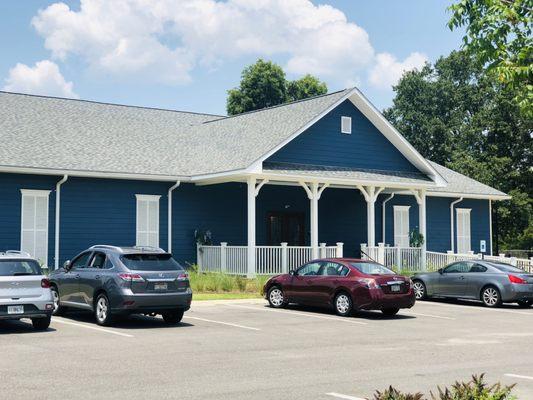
401,226
346,125
34,223
463,230
147,220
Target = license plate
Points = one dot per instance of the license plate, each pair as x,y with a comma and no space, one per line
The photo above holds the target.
15,309
160,286
395,288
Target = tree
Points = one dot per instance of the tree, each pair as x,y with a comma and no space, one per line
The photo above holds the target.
263,84
456,114
499,35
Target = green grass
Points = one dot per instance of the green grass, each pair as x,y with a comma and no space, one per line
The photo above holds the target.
224,296
225,286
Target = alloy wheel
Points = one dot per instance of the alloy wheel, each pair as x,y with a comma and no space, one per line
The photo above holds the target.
276,297
420,290
101,309
491,297
55,299
342,304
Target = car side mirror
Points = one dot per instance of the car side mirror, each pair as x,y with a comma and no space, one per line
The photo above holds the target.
292,272
66,265
440,271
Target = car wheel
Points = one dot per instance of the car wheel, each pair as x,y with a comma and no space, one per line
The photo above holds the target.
58,309
420,290
102,310
525,303
490,296
173,317
389,312
276,297
343,304
41,324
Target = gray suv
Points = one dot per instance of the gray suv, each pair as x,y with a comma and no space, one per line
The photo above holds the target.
112,281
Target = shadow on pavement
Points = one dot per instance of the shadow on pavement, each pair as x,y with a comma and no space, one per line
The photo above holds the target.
20,327
474,303
125,322
372,315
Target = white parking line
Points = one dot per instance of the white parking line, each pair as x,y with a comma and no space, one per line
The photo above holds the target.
303,314
428,315
223,323
530,378
343,396
94,328
480,307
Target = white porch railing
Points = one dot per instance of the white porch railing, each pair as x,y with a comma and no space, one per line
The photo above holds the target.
414,259
269,260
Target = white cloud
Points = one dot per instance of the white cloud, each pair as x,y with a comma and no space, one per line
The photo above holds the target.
44,78
388,70
165,39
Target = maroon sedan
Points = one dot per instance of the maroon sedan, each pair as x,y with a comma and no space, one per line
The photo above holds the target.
345,284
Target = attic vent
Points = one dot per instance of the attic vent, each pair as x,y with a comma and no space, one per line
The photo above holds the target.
346,125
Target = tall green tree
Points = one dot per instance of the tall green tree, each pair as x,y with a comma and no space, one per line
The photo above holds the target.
456,114
499,35
263,84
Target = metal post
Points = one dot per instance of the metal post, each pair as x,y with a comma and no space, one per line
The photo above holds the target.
223,248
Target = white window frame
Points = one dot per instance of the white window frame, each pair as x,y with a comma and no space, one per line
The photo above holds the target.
346,125
149,199
464,241
35,194
401,217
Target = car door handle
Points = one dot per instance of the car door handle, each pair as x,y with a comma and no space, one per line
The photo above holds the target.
77,276
97,277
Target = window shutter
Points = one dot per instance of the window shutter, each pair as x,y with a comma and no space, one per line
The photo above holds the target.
463,230
147,220
401,226
34,224
346,125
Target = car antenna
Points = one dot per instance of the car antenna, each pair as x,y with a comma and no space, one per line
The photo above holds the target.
370,258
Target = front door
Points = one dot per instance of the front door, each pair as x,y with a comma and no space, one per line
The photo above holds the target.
285,227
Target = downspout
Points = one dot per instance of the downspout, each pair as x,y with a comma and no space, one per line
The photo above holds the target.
453,203
169,197
58,211
383,212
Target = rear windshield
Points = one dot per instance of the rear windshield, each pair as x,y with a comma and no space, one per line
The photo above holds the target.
19,268
150,262
507,268
372,268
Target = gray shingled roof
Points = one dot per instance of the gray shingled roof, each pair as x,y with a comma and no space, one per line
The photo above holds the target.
461,184
90,137
312,171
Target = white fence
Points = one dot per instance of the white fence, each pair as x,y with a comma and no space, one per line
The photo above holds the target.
269,260
415,259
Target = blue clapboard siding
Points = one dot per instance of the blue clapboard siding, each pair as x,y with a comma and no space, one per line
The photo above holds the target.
10,208
324,144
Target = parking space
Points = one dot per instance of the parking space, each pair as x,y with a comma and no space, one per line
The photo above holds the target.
240,350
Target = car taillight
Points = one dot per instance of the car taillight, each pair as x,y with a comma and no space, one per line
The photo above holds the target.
370,283
45,283
182,277
131,277
516,279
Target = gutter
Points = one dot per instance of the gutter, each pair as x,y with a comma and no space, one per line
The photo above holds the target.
383,211
169,200
58,211
453,203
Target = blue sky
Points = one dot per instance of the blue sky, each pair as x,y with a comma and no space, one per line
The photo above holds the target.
186,54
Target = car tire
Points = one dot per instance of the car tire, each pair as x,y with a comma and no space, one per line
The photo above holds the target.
276,297
58,309
102,310
525,303
41,324
389,312
172,317
420,290
343,304
491,297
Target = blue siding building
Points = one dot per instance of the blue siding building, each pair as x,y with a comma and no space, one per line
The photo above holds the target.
329,169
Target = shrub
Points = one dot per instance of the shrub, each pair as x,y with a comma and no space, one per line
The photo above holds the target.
394,394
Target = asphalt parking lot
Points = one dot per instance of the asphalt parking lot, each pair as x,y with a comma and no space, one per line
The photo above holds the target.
244,350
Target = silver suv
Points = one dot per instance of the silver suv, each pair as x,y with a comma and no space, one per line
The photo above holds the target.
112,281
24,290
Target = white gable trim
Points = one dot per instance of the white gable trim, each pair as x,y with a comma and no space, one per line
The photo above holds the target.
380,122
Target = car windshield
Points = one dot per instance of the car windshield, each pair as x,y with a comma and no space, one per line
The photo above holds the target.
372,268
150,262
507,268
19,268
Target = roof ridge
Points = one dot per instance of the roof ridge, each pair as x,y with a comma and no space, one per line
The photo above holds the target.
110,104
280,105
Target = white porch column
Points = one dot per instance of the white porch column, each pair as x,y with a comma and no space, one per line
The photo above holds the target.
314,191
252,192
370,194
